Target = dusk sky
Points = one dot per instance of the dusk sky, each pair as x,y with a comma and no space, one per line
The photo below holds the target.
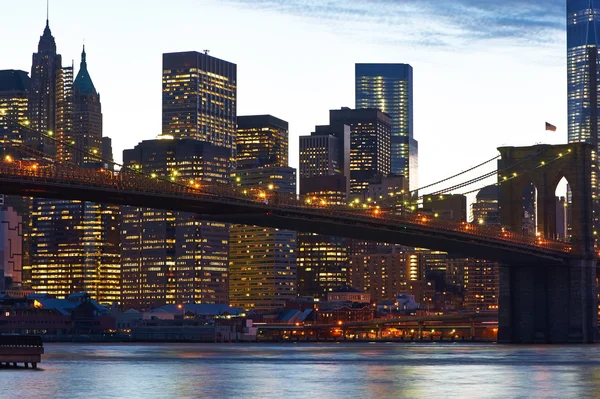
486,73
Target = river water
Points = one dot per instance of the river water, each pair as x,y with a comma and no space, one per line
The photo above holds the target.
328,370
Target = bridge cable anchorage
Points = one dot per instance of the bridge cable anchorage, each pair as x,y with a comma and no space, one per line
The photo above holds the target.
129,179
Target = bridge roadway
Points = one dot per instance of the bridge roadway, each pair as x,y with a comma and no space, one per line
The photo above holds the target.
227,204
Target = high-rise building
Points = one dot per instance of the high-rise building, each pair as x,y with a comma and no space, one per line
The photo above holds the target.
87,120
262,141
322,263
370,131
262,261
74,244
174,257
45,72
200,99
323,154
14,92
583,79
389,88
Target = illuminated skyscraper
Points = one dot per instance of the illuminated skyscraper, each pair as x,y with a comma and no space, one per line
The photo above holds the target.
42,106
262,261
369,144
322,263
174,257
14,91
389,88
262,141
74,244
200,98
583,76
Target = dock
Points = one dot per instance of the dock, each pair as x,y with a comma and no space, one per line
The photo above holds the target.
16,349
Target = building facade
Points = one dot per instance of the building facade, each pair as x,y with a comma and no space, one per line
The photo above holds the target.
199,99
389,88
262,141
14,92
262,261
174,257
370,131
380,273
74,244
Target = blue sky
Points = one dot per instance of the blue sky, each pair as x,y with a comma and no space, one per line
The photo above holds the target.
486,73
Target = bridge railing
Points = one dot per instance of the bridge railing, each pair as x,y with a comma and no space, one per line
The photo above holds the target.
132,180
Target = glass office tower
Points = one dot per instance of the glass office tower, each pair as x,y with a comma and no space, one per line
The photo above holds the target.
583,36
389,88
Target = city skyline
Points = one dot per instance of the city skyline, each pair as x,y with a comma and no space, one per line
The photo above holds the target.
295,87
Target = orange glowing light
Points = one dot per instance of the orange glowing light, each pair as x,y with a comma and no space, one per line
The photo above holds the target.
340,322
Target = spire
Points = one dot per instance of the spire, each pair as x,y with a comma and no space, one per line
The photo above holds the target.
47,32
83,81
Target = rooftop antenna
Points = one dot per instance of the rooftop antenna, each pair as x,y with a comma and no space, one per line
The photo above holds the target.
47,11
206,51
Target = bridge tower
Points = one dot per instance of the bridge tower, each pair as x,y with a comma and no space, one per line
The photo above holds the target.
546,303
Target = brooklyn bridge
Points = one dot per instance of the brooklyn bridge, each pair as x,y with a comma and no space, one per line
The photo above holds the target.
547,287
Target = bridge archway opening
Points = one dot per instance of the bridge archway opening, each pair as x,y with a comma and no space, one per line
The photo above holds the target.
529,213
563,210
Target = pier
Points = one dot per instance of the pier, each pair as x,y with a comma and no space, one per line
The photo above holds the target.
16,349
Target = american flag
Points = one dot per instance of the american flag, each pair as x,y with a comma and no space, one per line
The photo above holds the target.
550,127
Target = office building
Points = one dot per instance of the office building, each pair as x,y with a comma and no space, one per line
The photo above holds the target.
74,244
262,141
199,99
14,92
42,105
262,261
583,78
174,257
481,285
322,263
370,131
380,273
389,88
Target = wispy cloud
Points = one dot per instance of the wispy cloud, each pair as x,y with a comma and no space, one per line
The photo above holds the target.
435,22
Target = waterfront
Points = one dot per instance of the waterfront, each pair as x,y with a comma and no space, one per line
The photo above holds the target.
356,370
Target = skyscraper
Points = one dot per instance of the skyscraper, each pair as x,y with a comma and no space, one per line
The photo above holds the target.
87,119
322,263
75,245
45,72
200,98
262,261
583,77
14,93
174,257
389,88
262,141
369,144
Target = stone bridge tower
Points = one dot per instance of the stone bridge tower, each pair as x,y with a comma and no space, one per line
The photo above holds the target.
548,303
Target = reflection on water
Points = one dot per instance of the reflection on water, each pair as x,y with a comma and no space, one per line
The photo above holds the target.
308,370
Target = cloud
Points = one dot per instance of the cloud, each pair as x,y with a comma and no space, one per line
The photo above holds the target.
435,22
